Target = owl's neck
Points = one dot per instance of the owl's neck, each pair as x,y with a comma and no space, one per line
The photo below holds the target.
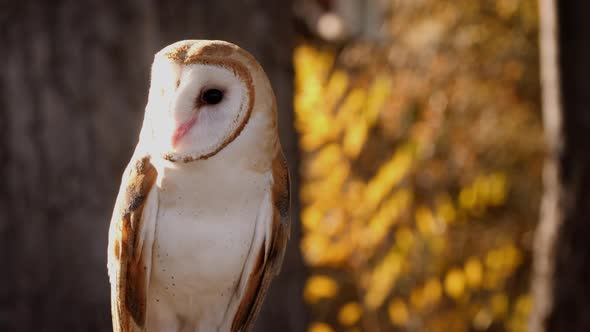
208,180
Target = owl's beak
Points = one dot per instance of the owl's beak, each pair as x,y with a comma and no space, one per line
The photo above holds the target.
181,130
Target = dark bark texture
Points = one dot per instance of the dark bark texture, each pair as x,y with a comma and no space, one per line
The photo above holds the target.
571,286
73,88
562,284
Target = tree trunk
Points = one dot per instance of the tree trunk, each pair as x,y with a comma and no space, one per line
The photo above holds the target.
561,285
73,88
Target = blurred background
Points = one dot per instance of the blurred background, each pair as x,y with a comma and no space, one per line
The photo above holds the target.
413,131
421,141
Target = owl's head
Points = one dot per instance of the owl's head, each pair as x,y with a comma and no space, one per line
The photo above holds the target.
202,95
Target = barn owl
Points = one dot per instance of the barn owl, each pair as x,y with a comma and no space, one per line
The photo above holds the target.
201,221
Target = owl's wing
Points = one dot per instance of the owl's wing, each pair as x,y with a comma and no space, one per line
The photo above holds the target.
274,216
131,237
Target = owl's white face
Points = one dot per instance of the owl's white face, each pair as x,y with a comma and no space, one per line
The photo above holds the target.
206,109
196,109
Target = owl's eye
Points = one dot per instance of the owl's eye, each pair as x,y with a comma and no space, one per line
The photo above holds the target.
212,96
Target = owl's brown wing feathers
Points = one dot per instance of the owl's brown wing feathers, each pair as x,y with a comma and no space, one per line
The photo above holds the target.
130,245
268,263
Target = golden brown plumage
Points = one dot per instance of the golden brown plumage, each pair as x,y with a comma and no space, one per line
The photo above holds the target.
127,268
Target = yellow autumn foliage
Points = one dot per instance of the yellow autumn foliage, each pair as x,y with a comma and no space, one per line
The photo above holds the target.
350,313
320,327
420,165
455,283
398,312
320,287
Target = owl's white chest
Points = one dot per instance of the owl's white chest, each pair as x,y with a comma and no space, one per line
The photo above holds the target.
204,230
